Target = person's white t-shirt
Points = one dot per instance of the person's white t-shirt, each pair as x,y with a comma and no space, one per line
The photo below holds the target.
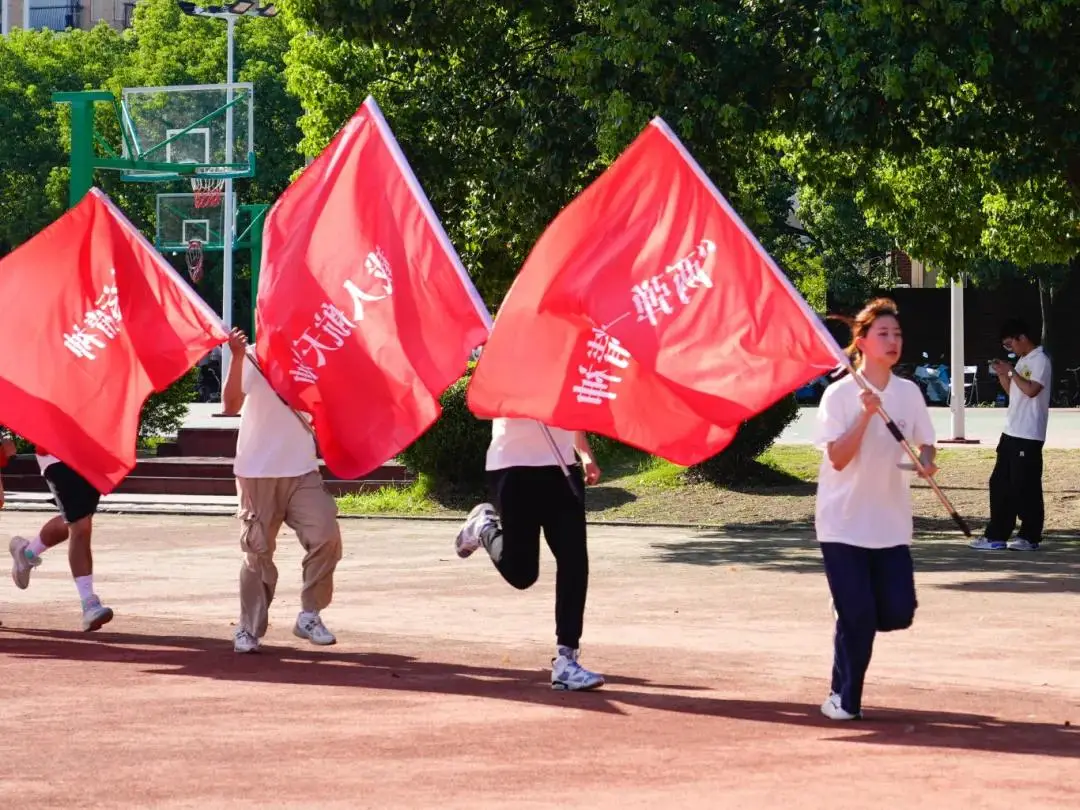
868,503
1027,416
521,443
45,461
272,441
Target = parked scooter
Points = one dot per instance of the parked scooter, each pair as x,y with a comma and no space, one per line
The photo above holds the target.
811,393
934,381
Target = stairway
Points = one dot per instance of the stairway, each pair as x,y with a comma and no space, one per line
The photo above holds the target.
199,462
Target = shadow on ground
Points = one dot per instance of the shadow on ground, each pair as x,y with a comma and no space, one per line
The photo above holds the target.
198,657
1054,568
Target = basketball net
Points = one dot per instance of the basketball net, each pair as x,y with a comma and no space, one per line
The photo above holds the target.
195,260
209,190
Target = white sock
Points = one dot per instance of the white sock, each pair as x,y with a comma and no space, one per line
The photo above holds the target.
85,586
36,547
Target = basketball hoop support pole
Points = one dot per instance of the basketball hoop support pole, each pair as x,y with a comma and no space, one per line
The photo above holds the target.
82,140
230,214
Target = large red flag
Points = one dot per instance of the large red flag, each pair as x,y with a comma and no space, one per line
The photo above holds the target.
94,321
365,314
648,312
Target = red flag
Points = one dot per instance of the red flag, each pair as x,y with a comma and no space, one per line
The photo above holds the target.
648,312
365,315
94,321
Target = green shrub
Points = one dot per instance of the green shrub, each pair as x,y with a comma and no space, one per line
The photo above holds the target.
754,437
453,450
163,413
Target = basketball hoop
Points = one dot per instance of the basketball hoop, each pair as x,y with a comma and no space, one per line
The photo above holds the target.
195,260
209,188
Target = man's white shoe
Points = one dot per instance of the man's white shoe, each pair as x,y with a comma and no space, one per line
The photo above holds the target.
21,565
95,615
469,539
244,642
569,675
983,544
1020,544
311,627
832,709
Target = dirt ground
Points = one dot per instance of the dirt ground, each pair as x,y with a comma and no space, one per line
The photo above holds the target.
717,650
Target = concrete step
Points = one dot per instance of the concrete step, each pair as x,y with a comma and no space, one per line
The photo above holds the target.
195,476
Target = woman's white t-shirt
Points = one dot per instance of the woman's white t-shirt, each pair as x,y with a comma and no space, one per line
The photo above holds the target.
868,503
521,443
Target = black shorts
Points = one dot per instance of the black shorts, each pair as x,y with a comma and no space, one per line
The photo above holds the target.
74,495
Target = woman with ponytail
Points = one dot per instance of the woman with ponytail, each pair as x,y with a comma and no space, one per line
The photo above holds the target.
863,513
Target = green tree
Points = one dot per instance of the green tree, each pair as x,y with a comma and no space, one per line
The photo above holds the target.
508,110
956,120
33,149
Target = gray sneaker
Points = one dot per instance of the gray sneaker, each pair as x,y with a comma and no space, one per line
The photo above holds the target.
244,642
311,627
21,565
95,615
470,538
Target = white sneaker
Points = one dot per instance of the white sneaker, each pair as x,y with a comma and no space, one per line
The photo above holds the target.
311,627
832,709
1020,544
987,545
569,675
95,615
21,565
469,538
244,642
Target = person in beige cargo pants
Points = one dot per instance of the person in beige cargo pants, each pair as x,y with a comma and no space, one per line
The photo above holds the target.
278,481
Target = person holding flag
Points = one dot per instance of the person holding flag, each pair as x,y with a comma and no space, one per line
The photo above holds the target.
530,493
863,513
278,481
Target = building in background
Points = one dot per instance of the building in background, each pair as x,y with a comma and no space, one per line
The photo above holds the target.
59,15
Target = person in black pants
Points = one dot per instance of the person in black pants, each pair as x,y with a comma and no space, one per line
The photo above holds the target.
530,493
1016,483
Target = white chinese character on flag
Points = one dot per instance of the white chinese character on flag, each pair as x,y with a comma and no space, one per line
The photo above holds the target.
313,344
82,343
102,321
593,389
689,272
378,266
359,298
605,347
332,321
301,371
651,299
109,300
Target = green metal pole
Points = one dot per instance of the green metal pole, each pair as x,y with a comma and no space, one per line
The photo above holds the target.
82,139
82,149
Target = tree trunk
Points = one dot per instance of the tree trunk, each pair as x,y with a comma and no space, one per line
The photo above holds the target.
1046,305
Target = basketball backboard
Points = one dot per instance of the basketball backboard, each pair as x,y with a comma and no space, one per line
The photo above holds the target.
189,125
179,222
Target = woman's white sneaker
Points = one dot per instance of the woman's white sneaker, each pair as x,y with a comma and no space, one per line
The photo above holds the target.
832,709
